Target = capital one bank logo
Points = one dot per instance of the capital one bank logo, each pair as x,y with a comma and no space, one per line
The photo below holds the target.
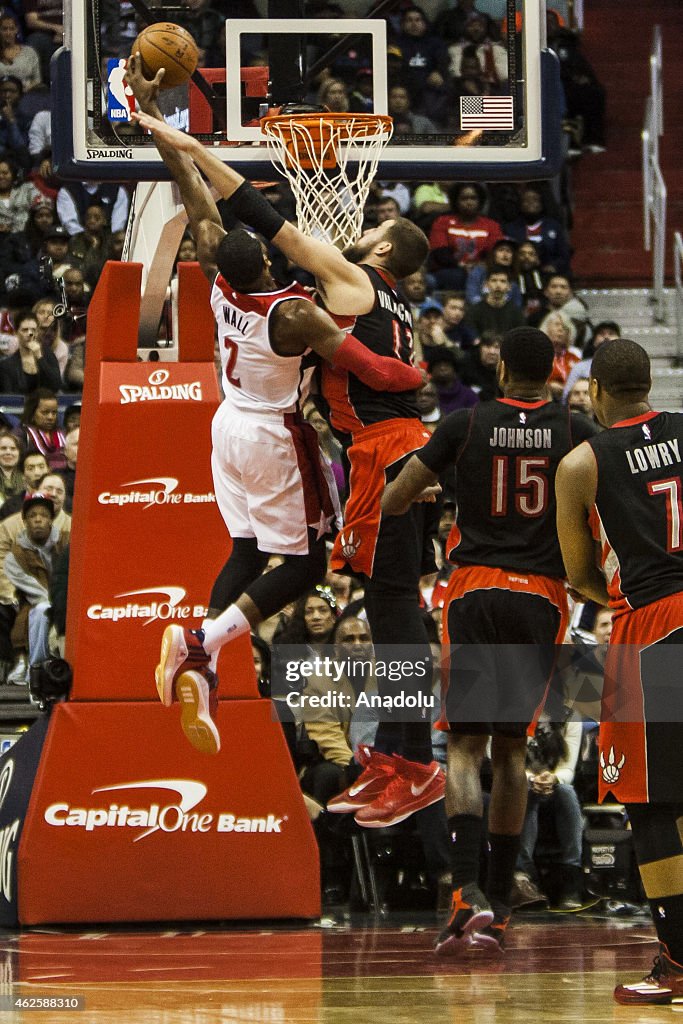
179,813
153,604
153,491
158,389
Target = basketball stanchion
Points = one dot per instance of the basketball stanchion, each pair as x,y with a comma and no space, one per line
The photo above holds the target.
329,160
141,825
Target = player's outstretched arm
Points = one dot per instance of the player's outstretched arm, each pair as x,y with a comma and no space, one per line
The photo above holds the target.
202,212
299,324
414,483
575,488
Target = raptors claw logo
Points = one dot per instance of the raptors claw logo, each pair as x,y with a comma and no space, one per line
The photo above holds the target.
350,545
612,769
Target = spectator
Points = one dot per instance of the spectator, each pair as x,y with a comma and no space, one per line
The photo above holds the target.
428,335
606,330
16,59
74,374
30,367
458,240
558,295
206,25
39,431
330,448
13,124
579,399
40,141
72,417
414,287
41,219
430,200
561,331
56,247
11,479
533,225
528,278
396,190
492,56
361,97
551,765
71,457
400,107
425,59
428,404
451,23
90,247
479,369
32,467
496,312
584,95
387,209
455,328
15,197
334,95
49,334
44,21
74,199
28,567
502,254
78,300
453,394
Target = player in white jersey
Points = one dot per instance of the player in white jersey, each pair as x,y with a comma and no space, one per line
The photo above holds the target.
271,483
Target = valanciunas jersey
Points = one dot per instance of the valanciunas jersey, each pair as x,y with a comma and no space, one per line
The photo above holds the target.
506,453
256,379
386,330
638,512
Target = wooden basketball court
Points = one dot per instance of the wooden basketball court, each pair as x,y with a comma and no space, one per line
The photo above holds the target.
360,969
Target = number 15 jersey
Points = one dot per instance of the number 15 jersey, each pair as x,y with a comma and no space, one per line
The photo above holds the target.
506,453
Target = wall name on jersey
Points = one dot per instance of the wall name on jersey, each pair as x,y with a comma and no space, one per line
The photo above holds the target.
387,302
521,437
653,456
234,318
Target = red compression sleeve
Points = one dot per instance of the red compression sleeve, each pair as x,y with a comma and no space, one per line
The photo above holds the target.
381,373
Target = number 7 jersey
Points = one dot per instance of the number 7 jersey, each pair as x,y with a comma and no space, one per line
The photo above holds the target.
256,379
638,511
506,453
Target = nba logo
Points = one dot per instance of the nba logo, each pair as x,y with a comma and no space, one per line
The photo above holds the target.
5,745
119,95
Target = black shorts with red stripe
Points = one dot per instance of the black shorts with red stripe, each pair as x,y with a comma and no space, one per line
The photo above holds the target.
501,631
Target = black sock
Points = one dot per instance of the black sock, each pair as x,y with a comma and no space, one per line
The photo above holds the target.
503,854
667,915
465,832
388,738
417,742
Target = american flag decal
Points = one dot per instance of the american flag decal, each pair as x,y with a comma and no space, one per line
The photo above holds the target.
491,113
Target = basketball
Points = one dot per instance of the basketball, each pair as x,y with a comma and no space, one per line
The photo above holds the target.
168,46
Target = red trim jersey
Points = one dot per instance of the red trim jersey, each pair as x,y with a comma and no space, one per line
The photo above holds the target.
638,513
255,378
387,330
506,455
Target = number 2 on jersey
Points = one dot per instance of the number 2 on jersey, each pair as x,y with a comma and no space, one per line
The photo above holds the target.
531,486
230,363
671,489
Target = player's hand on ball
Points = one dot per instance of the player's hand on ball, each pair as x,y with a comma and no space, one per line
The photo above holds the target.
144,89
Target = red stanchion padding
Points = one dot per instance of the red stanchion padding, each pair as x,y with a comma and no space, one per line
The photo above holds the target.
147,538
127,822
196,324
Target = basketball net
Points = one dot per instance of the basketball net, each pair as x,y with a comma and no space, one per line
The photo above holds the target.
329,161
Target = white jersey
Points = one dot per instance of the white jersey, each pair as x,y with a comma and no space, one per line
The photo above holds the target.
256,379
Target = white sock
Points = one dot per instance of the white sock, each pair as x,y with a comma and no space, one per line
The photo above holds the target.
228,626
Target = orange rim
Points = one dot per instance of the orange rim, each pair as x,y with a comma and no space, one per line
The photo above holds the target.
319,129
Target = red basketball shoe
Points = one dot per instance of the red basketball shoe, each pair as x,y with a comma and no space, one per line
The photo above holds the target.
378,773
181,649
197,692
470,914
412,787
663,985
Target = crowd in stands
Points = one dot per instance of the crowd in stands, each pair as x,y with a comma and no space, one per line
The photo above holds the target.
500,256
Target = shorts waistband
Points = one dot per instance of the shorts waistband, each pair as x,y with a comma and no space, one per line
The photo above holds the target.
387,427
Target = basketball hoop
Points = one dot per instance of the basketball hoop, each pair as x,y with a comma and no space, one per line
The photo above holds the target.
329,161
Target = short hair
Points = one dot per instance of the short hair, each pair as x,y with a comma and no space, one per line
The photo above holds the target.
239,258
622,367
528,354
495,268
29,455
23,314
558,273
607,325
409,248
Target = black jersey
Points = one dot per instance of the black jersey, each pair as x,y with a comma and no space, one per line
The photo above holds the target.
386,330
506,455
638,513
